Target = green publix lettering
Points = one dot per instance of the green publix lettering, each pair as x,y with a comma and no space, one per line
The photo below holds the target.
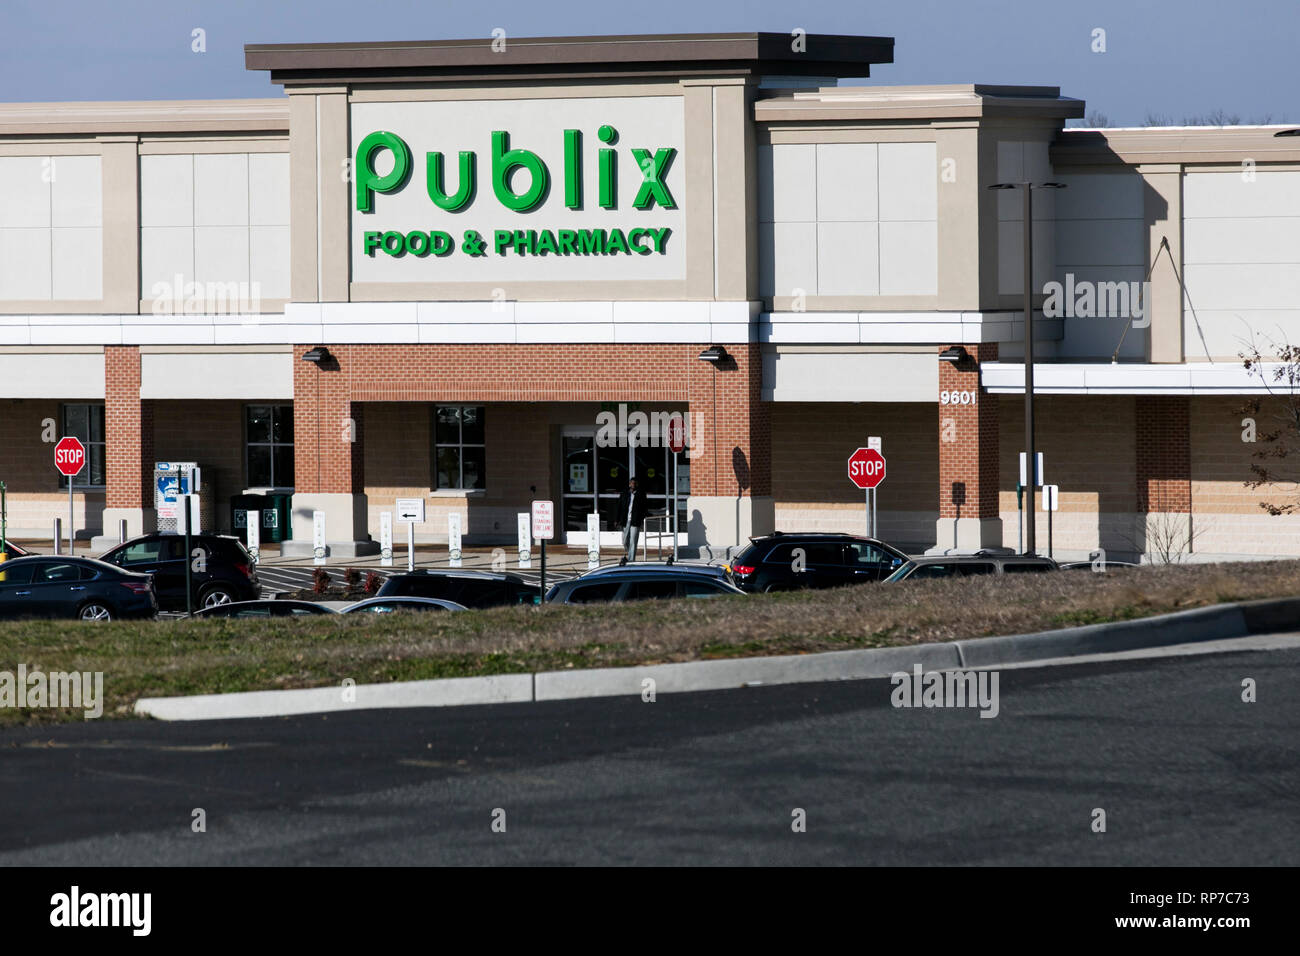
653,167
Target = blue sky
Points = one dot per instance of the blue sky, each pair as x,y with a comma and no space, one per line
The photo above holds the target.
1162,56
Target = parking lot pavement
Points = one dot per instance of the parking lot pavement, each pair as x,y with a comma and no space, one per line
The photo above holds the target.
1188,774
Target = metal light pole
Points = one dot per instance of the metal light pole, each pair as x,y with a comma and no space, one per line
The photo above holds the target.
1031,460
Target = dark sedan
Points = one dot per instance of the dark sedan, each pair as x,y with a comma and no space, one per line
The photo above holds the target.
476,589
72,587
264,609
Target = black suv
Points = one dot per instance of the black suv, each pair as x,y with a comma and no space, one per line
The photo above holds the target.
222,571
473,589
785,561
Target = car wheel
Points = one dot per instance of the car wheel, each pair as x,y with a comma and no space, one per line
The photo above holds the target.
216,596
94,611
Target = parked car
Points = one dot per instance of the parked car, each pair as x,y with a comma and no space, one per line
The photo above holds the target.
389,605
785,562
475,589
1104,565
718,571
73,587
638,584
969,565
265,609
225,574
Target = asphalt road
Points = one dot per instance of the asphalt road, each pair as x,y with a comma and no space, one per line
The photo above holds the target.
1187,773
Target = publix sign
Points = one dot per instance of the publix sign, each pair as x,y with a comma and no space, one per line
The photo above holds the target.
488,193
521,180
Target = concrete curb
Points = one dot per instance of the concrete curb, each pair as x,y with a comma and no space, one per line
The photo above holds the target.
1183,627
450,692
740,672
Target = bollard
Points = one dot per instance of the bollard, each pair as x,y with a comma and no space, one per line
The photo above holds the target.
58,535
121,531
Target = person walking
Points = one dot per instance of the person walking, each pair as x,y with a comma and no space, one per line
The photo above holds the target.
631,515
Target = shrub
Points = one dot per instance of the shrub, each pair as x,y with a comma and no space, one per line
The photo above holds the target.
373,582
320,581
352,579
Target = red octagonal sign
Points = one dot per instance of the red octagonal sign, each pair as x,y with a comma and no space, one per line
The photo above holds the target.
69,456
866,468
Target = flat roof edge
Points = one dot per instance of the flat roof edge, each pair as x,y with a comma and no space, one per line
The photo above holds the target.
144,116
820,54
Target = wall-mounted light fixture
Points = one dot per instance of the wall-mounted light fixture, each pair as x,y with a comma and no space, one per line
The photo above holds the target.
953,354
714,354
317,355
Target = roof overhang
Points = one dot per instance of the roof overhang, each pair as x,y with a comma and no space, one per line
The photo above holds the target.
519,58
1126,378
975,101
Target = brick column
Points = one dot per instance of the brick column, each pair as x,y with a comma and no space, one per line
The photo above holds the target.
129,450
731,464
328,452
1164,455
968,456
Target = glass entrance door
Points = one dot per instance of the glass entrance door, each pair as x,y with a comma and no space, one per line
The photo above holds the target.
594,477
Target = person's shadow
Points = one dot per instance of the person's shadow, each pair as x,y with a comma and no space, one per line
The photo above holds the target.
697,533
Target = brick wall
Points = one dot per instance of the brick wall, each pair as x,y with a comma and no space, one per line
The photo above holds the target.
33,492
128,431
968,440
1163,436
28,461
1088,449
1088,453
812,443
739,459
1221,456
212,434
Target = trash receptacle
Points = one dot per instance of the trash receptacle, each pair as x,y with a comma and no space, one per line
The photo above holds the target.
276,514
240,504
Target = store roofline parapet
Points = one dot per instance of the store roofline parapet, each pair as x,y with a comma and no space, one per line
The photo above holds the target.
598,57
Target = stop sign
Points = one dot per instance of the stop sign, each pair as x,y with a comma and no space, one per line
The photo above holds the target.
676,434
866,468
69,456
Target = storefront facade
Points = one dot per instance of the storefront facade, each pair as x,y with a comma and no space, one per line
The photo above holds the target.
510,266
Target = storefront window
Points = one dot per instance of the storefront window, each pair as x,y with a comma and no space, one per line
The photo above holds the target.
86,422
459,447
269,445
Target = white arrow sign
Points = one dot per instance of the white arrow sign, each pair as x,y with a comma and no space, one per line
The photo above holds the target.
410,510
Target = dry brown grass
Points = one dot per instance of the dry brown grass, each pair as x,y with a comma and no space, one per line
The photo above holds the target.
167,657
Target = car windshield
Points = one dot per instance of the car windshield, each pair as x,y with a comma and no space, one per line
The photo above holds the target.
902,572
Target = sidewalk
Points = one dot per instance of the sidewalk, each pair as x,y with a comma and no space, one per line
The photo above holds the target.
436,556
